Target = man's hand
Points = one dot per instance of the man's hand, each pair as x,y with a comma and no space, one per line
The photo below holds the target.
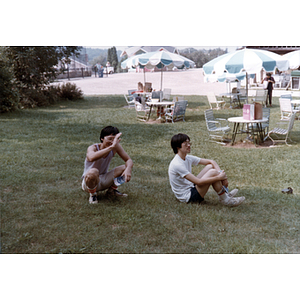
116,140
222,175
127,175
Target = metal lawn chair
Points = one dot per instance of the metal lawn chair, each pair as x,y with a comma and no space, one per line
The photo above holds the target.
166,94
215,126
261,96
130,100
178,112
212,100
142,112
157,95
243,96
283,130
286,108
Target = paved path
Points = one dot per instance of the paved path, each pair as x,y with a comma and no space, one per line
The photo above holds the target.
189,82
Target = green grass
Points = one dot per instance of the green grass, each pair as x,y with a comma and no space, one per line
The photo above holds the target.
44,210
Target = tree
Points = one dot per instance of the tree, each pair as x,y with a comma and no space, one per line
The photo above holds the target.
112,57
9,96
33,68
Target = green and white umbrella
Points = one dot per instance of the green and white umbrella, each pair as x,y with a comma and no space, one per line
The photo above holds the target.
246,60
293,58
158,59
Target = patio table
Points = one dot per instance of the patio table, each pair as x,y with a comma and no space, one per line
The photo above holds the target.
296,104
240,120
158,104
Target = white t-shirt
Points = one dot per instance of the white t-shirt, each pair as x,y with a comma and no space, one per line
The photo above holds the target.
179,168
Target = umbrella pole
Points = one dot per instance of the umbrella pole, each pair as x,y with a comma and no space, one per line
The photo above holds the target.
144,77
161,79
247,87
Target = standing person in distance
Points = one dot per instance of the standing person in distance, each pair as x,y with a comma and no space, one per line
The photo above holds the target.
270,81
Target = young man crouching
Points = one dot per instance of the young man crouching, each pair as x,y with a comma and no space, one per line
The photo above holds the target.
96,176
192,189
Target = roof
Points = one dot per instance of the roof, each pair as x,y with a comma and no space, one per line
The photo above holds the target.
130,51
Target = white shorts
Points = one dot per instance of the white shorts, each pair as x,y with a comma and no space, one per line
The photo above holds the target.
106,180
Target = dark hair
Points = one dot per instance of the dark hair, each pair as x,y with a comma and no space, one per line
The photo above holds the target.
268,74
108,130
177,140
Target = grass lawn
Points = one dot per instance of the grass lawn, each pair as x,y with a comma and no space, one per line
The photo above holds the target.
44,210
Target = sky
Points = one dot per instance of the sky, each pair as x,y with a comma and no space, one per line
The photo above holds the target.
229,48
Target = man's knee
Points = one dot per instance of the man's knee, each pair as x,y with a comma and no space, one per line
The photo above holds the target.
119,170
213,172
92,178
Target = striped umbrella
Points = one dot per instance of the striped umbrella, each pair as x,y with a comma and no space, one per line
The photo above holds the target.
246,60
158,59
294,59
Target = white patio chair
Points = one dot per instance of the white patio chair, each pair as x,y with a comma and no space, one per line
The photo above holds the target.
178,112
166,94
286,108
216,128
283,130
130,100
142,112
157,95
148,87
261,96
212,100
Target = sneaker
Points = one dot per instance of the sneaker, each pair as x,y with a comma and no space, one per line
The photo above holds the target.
115,193
233,201
93,199
233,193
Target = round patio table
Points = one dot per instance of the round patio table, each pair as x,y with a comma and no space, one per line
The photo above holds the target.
158,104
240,120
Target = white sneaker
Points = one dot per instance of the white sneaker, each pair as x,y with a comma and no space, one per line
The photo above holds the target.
233,193
233,201
93,199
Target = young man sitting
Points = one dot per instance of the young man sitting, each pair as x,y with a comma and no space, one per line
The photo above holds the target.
96,176
192,189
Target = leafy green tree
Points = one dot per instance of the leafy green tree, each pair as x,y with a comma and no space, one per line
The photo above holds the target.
201,57
33,68
112,57
9,95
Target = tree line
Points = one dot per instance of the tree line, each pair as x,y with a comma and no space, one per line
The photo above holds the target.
200,57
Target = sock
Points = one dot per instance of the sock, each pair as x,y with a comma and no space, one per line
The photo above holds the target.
114,187
223,194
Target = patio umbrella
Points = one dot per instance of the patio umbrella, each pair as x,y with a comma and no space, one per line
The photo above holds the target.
246,60
224,77
293,58
159,59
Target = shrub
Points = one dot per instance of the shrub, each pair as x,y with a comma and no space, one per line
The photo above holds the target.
49,95
69,91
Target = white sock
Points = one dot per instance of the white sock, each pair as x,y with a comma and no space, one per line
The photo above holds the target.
222,194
